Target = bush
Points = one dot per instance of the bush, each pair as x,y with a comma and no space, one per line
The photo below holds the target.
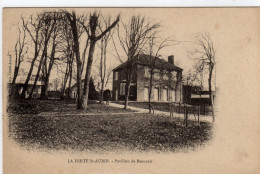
23,106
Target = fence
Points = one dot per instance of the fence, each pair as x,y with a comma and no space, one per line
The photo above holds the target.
193,109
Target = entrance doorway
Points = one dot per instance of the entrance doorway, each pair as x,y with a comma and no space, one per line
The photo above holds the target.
146,94
156,94
173,95
165,94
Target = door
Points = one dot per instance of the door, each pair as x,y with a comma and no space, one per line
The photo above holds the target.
116,95
164,94
156,94
146,94
173,95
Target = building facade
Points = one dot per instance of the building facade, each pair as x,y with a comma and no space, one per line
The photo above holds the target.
166,80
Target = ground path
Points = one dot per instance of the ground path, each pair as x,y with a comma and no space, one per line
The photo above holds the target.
206,118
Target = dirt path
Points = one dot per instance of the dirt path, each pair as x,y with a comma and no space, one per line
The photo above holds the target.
141,110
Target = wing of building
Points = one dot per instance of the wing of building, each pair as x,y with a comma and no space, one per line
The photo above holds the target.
166,80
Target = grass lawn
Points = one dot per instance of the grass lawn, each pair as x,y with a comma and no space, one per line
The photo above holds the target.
106,132
58,107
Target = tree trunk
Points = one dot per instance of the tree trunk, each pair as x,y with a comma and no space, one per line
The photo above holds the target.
16,70
79,92
199,108
25,86
127,91
44,54
88,72
73,23
101,91
70,78
150,92
210,92
13,90
213,114
65,81
211,100
44,92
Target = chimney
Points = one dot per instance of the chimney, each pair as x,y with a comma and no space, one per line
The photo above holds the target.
171,59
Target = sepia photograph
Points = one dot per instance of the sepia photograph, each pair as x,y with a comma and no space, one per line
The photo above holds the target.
130,86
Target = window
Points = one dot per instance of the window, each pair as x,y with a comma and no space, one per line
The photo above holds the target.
156,76
174,75
116,75
122,88
147,72
165,77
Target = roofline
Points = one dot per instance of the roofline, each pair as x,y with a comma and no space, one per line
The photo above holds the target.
118,67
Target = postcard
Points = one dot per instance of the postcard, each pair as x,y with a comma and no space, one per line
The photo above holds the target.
131,90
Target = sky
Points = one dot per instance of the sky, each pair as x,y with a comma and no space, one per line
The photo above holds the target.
228,28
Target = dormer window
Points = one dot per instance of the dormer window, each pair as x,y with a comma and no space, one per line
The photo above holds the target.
147,72
165,77
156,74
174,75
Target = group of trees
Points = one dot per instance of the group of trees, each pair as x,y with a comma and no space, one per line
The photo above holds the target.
204,56
55,38
70,39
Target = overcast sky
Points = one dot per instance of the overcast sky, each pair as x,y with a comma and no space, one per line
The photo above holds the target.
231,30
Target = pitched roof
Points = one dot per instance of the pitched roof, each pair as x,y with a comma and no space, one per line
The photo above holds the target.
145,60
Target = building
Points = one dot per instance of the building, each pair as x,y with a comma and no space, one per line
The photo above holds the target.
18,88
93,94
167,85
194,95
19,85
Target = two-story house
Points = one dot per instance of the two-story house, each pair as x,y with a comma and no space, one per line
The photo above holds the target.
166,80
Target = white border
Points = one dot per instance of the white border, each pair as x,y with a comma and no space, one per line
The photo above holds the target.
111,3
129,3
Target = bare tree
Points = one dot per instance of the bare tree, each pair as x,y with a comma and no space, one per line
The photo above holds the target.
191,78
136,34
72,18
92,35
33,27
54,56
206,53
154,64
68,54
104,72
19,55
48,28
56,83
